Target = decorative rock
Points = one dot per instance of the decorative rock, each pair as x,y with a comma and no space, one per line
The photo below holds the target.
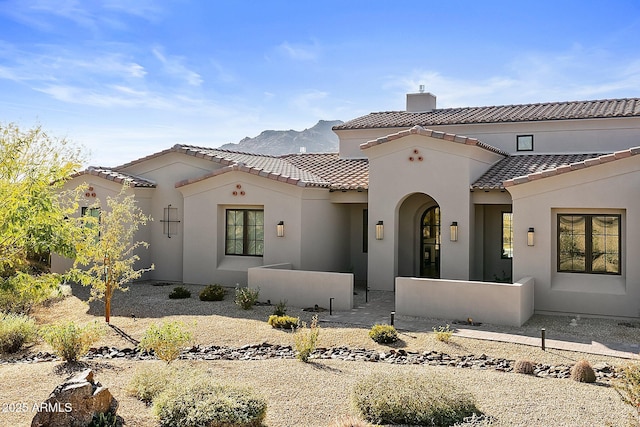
74,403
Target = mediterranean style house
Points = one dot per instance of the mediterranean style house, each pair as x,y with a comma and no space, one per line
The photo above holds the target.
454,197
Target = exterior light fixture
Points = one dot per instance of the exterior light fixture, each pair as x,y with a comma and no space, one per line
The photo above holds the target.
379,230
530,235
454,231
280,229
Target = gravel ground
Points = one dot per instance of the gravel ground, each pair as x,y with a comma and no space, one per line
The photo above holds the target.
316,394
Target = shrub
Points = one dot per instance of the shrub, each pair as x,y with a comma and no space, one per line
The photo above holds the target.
71,341
212,293
443,333
411,398
383,334
16,330
21,292
105,419
305,339
281,308
147,383
583,372
246,297
283,322
350,422
165,340
628,386
180,292
200,403
524,367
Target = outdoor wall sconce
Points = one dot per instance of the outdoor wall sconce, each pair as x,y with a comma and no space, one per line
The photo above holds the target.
454,231
280,229
379,230
530,235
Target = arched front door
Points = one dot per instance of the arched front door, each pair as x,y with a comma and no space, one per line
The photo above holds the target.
430,243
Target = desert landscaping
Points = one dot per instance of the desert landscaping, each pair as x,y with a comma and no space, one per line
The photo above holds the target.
317,393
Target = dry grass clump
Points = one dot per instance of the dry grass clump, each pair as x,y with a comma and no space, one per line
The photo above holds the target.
524,366
414,399
583,372
350,421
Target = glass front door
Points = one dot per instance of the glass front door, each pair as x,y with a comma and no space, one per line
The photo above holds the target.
430,243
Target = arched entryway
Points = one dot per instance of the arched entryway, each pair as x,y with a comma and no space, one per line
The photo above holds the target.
430,243
419,239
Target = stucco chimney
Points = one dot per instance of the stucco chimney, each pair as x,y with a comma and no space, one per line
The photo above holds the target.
421,101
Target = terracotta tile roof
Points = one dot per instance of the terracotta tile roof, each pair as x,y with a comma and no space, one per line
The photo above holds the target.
519,165
606,108
304,170
343,174
572,166
419,130
115,176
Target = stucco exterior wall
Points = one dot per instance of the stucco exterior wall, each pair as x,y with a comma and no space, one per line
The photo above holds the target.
496,303
608,188
325,233
558,136
165,171
302,288
104,189
444,174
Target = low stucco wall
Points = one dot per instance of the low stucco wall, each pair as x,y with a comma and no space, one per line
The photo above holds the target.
278,282
487,302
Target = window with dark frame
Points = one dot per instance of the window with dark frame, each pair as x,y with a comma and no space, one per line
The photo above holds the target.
589,243
524,142
244,232
365,230
507,235
94,213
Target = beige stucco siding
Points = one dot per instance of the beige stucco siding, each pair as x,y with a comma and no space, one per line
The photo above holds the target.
103,189
555,136
611,188
444,173
165,171
313,226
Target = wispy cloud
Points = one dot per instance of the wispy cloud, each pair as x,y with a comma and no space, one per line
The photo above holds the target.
530,77
174,65
88,15
300,52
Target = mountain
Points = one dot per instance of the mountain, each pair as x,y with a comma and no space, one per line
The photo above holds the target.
318,139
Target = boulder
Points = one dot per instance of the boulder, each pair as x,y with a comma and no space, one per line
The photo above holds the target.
74,403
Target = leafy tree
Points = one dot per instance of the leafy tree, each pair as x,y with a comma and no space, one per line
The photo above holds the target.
105,256
33,167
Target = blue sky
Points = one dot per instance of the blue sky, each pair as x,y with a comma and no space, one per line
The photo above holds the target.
126,78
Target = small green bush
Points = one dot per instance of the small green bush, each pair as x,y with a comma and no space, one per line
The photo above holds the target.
246,298
16,330
524,367
628,386
105,419
280,309
22,291
212,293
200,403
148,382
443,333
583,372
383,334
165,340
283,322
180,292
411,398
71,341
305,339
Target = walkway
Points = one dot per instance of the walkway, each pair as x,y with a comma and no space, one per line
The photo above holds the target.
380,305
